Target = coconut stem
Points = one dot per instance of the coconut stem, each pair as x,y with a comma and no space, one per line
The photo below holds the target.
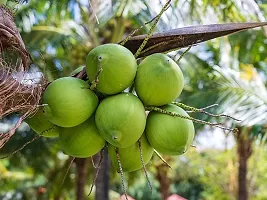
218,125
143,164
68,169
93,163
136,30
121,173
162,159
95,82
45,131
182,55
22,147
97,170
139,50
202,110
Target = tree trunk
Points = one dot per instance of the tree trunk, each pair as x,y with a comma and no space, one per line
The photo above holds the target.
102,182
82,171
163,179
244,151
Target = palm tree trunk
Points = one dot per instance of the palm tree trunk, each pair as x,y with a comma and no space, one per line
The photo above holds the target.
244,151
163,180
102,182
82,171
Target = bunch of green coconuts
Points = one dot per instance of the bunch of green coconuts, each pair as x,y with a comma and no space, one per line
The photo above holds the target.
85,123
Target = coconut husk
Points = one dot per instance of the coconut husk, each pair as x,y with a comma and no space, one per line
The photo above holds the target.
10,38
16,96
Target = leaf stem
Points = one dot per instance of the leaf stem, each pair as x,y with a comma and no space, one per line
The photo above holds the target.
202,110
218,125
143,164
139,50
121,173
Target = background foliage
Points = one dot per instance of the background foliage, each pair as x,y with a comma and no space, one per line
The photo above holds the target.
230,71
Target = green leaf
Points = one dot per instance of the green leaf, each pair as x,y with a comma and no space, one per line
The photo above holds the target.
245,100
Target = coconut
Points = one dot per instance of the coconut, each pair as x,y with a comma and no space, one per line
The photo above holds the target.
41,125
167,134
130,157
81,141
121,119
159,80
118,67
69,102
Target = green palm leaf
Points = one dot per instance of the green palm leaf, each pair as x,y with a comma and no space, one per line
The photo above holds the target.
38,34
245,100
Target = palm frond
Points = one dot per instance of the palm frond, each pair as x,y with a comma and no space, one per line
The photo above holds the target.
238,97
245,100
38,34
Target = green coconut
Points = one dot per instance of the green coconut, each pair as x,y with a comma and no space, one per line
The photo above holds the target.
167,134
41,125
159,80
69,102
81,141
118,66
121,119
130,157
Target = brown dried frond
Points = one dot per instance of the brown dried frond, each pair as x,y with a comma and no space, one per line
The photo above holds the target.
10,38
17,96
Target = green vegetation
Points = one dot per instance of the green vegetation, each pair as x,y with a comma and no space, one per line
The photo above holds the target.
229,71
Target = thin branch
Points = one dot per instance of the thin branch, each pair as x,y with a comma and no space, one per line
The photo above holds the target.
162,159
143,164
139,50
22,147
121,173
68,169
97,171
203,111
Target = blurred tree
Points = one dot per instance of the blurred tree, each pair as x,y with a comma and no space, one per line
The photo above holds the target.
236,87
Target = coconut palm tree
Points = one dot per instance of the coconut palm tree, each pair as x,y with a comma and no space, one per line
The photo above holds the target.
52,28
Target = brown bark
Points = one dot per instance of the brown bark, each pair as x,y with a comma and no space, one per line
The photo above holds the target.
244,151
82,171
161,175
